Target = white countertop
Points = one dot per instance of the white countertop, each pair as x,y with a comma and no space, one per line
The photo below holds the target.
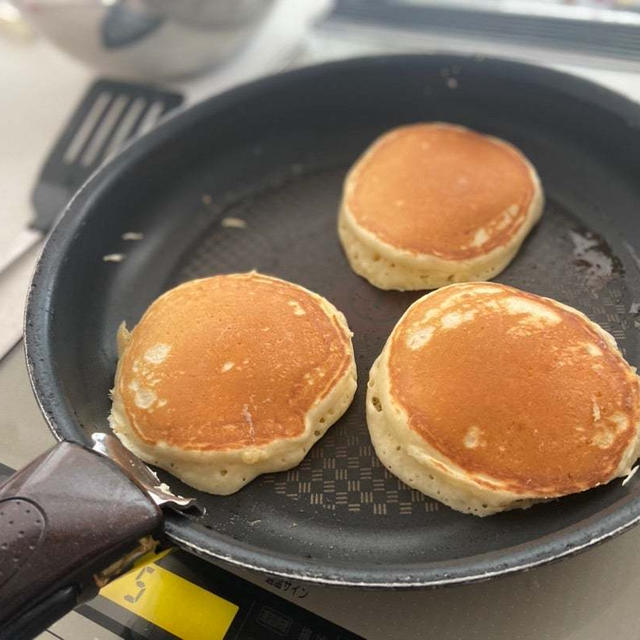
589,597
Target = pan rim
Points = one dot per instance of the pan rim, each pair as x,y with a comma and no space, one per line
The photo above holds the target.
63,424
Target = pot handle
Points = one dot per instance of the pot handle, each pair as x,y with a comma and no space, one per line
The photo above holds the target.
69,521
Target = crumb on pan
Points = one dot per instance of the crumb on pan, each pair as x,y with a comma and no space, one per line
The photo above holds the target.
233,223
629,475
113,257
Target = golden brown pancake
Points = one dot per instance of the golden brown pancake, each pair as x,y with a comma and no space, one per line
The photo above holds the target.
489,398
227,377
433,203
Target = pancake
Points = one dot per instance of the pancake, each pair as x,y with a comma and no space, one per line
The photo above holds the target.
434,203
228,377
488,398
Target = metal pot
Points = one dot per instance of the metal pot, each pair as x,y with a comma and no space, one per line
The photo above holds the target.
147,39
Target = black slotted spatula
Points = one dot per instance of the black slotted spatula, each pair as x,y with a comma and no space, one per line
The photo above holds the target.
109,115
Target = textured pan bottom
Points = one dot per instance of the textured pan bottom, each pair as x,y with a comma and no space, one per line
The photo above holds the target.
288,230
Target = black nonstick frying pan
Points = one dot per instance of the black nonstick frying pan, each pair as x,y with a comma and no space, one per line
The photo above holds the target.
274,154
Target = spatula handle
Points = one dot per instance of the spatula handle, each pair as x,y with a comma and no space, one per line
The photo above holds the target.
64,518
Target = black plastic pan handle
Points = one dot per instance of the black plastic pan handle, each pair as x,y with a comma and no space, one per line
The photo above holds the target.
64,519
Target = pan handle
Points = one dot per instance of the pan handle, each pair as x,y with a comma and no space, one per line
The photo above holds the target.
68,522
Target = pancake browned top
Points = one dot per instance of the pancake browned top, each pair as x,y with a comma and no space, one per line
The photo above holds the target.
230,361
514,387
441,190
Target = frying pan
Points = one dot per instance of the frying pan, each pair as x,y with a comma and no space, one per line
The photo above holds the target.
273,153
